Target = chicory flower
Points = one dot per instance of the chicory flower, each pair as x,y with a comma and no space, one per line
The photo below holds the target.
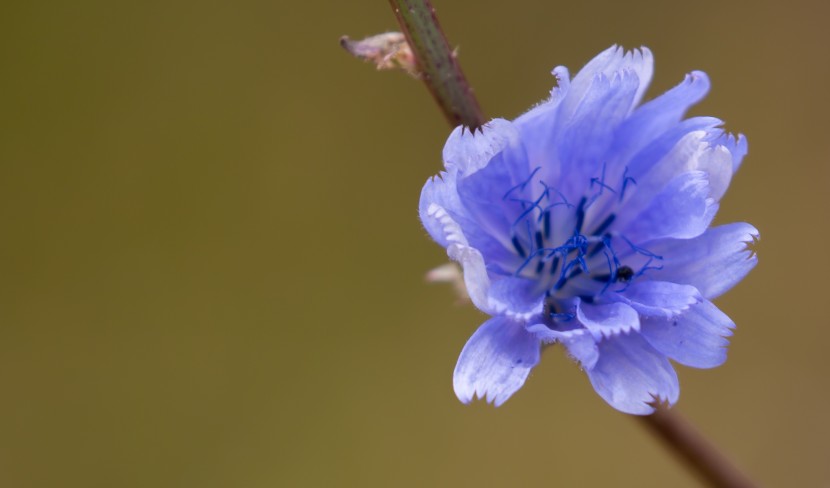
586,222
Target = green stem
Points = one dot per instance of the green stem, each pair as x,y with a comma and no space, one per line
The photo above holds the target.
437,63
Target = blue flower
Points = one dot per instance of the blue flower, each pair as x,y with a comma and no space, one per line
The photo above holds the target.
585,222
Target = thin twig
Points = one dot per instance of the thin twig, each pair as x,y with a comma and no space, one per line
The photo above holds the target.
437,63
692,448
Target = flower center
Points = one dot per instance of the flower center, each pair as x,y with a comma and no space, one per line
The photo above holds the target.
571,250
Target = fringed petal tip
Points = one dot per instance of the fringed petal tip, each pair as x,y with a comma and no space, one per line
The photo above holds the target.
468,151
697,338
630,373
495,362
606,321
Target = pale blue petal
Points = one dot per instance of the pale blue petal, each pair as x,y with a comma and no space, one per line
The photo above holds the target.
713,262
540,120
658,116
608,320
487,192
659,298
613,60
659,150
736,145
469,151
476,279
695,338
539,128
495,362
581,345
630,374
519,298
683,209
692,152
441,192
586,139
512,296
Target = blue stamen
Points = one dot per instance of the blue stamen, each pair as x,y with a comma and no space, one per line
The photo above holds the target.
580,216
612,269
518,246
604,225
602,187
554,264
564,201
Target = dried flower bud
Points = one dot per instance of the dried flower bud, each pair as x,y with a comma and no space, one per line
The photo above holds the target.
387,51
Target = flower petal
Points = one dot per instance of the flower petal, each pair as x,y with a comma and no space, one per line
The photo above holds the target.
470,151
607,320
658,116
695,338
495,362
580,344
539,126
486,188
659,298
518,298
682,209
585,140
439,192
713,262
664,149
476,279
439,202
692,152
736,145
613,60
630,374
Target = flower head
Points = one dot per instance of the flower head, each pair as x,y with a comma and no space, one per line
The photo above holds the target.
585,222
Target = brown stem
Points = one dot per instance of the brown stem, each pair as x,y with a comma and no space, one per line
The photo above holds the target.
691,447
437,63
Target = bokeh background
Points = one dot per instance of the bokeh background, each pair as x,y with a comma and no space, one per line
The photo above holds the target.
211,265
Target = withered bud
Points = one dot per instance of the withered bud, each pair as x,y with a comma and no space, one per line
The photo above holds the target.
387,51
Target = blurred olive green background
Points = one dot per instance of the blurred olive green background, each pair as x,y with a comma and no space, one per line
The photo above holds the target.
211,265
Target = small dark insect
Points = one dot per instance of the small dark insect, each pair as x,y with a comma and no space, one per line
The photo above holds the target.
624,273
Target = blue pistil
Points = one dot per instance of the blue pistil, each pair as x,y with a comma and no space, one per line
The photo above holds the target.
626,180
600,182
521,186
645,252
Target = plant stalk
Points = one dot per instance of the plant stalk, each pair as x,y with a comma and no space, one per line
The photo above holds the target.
437,63
694,450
